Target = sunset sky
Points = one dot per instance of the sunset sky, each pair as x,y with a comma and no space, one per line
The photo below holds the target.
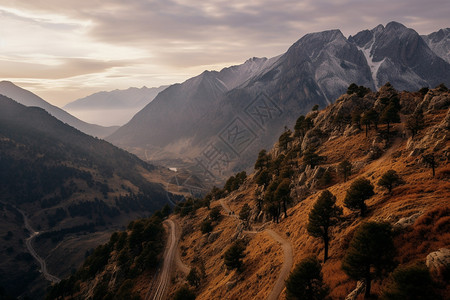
66,49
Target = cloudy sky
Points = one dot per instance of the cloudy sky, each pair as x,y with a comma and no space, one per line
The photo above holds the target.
66,49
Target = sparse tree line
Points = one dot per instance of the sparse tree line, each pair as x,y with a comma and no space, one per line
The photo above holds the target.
370,254
133,252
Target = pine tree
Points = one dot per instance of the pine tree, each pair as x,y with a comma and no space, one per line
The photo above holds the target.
415,122
194,277
244,214
370,254
206,226
368,118
262,160
389,180
410,282
234,255
390,115
430,160
324,215
310,157
282,194
306,281
360,190
345,168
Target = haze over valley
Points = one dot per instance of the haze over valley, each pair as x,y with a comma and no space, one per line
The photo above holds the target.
220,150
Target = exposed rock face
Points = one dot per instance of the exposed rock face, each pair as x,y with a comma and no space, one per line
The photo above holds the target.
360,288
439,42
407,221
185,119
439,262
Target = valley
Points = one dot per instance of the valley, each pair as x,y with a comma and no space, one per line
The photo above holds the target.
319,173
274,242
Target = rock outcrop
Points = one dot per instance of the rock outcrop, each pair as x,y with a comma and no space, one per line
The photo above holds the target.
439,262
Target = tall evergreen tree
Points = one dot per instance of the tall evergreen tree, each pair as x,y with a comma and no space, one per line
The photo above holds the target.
389,116
415,122
282,194
360,190
306,281
411,282
370,254
389,180
345,168
234,255
324,215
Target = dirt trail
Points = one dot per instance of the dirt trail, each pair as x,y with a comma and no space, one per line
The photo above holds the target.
29,244
287,264
164,272
180,264
288,256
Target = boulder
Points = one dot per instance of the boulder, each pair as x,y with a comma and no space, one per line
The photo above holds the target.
360,288
407,221
438,262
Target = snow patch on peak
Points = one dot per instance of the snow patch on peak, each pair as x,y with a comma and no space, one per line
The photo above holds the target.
373,65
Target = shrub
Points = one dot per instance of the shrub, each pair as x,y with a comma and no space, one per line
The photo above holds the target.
306,282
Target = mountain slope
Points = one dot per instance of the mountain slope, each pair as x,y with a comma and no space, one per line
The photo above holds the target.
171,118
73,188
439,42
400,56
27,98
191,120
417,209
112,108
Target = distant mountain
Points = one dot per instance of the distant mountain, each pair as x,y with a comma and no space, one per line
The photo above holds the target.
399,55
27,98
74,189
205,116
170,119
112,108
439,42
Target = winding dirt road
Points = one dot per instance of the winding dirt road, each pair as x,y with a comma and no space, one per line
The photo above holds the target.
29,244
164,272
287,264
288,255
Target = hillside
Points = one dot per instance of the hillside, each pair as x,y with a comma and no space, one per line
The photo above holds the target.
68,189
203,115
113,108
27,98
307,158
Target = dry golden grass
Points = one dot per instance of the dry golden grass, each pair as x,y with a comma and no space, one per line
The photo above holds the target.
420,194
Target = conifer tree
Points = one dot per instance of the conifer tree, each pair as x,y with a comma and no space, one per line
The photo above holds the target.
370,254
306,281
360,190
324,215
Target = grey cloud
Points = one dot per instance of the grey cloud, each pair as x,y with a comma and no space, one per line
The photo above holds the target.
68,67
185,34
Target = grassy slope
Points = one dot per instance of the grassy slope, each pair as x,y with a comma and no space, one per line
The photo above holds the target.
421,194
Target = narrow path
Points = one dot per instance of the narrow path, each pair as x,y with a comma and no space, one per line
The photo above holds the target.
288,256
180,264
29,244
164,273
287,264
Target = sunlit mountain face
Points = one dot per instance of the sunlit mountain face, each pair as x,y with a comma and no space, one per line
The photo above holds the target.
224,150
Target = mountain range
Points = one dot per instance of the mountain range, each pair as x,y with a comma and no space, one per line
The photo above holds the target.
311,198
217,121
27,98
71,188
112,108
